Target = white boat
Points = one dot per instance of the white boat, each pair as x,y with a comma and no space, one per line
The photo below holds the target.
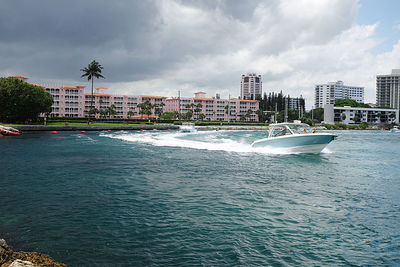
297,137
187,127
395,129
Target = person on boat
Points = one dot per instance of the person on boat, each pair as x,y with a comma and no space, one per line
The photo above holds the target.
283,132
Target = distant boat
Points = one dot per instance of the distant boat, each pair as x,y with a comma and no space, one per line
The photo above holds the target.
8,131
187,127
298,137
395,129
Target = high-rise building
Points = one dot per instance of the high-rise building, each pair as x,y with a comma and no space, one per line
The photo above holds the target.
388,90
250,86
327,93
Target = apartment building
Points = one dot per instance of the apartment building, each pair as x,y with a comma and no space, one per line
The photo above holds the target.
72,101
356,115
327,93
215,109
388,90
250,86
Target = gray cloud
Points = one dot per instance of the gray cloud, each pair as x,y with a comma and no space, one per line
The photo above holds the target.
193,44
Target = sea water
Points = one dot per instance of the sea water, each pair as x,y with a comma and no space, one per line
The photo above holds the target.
165,198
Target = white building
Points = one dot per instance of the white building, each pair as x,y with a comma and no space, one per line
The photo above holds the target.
327,93
250,86
296,103
355,115
388,90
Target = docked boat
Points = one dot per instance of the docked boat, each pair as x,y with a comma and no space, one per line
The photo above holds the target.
297,137
8,131
395,129
187,127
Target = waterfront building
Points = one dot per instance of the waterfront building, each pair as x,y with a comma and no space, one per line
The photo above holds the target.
327,93
72,101
125,105
251,86
388,90
214,109
296,103
356,115
68,100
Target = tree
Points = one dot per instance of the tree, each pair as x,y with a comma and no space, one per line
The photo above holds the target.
317,114
111,110
170,115
202,116
343,117
261,115
158,109
356,118
103,113
93,70
145,108
130,113
248,113
94,111
21,101
341,102
198,109
188,106
188,115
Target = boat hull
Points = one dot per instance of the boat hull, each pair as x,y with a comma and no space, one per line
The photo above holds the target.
301,143
8,131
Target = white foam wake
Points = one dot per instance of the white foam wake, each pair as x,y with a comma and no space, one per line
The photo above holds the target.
208,140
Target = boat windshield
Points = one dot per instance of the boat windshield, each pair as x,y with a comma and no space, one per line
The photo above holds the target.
289,129
300,128
279,131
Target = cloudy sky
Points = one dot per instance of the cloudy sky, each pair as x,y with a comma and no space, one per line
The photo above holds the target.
162,46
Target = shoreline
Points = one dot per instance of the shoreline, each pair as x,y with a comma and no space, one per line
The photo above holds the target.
9,257
40,128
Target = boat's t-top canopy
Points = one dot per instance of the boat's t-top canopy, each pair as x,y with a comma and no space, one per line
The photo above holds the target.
287,128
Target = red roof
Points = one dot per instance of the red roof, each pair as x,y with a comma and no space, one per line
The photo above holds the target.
156,97
250,101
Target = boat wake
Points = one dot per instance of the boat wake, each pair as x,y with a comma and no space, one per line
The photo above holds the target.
230,141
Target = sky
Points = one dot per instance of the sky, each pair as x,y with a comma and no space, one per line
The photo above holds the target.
160,47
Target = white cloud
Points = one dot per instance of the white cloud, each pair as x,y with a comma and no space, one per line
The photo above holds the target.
207,45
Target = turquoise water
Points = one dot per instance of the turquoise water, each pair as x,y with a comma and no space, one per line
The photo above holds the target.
163,198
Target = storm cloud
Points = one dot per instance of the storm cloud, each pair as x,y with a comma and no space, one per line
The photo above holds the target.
161,46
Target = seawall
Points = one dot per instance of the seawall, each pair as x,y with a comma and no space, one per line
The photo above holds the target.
36,128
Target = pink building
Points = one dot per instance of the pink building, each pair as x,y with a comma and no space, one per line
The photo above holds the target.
68,100
72,101
124,104
215,109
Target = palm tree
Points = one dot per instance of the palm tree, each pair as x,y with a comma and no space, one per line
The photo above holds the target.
93,70
198,109
130,113
111,111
